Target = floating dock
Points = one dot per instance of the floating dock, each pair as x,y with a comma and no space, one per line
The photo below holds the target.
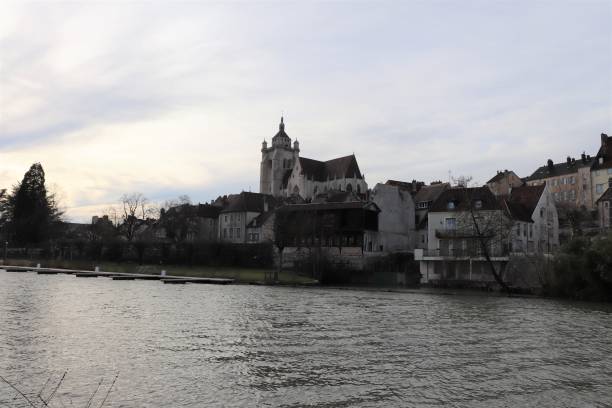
119,275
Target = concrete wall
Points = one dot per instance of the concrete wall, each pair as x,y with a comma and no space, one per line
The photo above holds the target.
396,229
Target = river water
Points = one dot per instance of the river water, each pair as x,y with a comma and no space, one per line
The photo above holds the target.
237,345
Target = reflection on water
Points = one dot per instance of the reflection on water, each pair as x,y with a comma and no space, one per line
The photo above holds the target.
199,345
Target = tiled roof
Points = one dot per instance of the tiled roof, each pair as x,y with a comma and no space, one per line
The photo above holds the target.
463,199
430,193
332,206
336,196
607,195
411,186
560,169
342,167
208,211
248,202
500,175
523,201
605,153
260,219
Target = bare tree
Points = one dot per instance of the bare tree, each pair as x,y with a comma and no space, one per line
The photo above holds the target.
134,211
485,225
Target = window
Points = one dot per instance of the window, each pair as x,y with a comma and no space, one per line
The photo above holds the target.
530,230
237,232
573,195
224,232
231,233
238,217
541,212
518,230
599,188
450,223
226,218
422,205
572,180
610,170
450,205
477,204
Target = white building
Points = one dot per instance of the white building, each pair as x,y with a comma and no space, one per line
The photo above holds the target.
283,172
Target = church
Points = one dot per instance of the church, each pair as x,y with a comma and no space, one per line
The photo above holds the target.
284,173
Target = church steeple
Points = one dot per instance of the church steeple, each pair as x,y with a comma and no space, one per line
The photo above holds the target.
281,139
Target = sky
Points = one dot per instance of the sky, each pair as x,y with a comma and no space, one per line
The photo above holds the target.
174,98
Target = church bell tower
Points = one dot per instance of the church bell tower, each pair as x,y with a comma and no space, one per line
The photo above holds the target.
277,162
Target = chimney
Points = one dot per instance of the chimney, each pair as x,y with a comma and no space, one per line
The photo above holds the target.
569,161
604,139
551,165
583,157
265,205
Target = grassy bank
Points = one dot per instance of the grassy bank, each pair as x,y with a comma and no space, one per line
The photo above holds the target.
243,275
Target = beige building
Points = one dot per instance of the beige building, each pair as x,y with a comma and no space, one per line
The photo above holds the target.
569,182
283,172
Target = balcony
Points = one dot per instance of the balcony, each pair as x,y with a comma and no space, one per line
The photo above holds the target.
449,254
459,233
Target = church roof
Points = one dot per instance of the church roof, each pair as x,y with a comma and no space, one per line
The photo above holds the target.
342,167
281,130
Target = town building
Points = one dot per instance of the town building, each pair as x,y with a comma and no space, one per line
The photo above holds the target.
604,209
424,199
188,222
601,171
239,211
463,220
396,220
569,182
535,220
283,172
503,182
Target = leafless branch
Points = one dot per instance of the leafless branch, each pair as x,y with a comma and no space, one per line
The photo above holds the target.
109,390
94,393
50,397
19,391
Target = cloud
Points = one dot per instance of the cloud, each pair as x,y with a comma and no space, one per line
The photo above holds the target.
176,98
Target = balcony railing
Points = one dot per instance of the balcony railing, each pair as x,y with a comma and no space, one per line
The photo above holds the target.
464,253
460,233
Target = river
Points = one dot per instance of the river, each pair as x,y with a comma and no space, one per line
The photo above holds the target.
238,345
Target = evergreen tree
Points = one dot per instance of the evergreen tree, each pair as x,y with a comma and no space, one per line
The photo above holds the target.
29,213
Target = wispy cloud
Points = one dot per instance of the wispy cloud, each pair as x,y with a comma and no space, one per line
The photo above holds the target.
176,98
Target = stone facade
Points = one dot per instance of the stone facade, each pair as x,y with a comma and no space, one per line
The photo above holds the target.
283,172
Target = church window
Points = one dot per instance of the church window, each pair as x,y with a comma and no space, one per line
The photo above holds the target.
349,187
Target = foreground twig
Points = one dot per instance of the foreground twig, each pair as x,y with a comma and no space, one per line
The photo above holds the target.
17,389
94,393
50,397
109,390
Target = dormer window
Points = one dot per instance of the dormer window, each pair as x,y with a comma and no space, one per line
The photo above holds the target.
478,204
450,205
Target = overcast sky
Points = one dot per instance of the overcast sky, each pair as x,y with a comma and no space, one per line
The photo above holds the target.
176,98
